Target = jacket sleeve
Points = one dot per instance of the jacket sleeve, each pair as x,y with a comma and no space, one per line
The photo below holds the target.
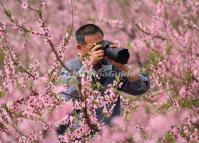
136,87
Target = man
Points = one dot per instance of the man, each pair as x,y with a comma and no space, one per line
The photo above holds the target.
87,36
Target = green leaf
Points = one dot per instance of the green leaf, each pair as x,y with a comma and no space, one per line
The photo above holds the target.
165,106
98,85
26,34
8,13
168,48
154,58
129,45
155,1
2,94
187,103
187,77
1,58
194,142
175,23
170,138
73,80
195,102
166,15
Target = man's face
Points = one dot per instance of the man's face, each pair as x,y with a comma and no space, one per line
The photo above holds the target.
89,41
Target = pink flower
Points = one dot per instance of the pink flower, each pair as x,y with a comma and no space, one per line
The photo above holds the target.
182,92
150,141
6,138
157,122
51,138
43,4
61,111
11,97
58,89
118,121
160,8
30,126
24,5
162,97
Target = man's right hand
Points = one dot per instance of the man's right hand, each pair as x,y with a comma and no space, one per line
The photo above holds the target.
97,54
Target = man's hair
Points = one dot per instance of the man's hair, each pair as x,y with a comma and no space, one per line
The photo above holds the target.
87,29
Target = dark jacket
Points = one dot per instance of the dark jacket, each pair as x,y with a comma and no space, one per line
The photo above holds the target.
136,87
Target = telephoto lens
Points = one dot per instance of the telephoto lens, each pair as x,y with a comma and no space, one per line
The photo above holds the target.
120,55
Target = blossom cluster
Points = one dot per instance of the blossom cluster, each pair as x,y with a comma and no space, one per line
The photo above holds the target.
36,38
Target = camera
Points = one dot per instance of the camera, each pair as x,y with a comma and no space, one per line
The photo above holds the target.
120,55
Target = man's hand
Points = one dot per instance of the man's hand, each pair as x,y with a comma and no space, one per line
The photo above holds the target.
122,67
97,54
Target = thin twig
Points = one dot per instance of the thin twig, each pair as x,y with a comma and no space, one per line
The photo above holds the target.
136,25
192,17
